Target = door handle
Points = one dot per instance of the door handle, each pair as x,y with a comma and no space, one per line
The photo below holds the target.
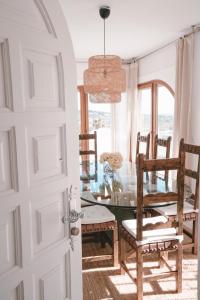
75,231
73,217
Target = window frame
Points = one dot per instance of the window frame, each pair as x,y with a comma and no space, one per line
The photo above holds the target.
153,85
84,120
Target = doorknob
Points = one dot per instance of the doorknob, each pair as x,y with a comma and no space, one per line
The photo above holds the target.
75,231
73,217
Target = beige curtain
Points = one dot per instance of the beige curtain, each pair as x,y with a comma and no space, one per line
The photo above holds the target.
183,90
132,98
125,116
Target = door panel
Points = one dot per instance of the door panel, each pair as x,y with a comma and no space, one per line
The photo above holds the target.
43,80
47,227
17,293
8,259
53,277
5,82
39,165
8,165
46,153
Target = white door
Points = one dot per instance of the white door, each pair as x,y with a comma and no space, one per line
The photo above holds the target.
39,258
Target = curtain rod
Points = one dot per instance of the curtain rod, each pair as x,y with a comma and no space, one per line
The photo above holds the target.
134,59
195,29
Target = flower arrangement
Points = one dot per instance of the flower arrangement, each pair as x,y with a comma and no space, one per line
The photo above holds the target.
114,159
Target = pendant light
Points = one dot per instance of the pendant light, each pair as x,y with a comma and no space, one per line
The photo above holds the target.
104,79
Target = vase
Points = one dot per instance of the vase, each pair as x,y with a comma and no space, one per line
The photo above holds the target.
107,169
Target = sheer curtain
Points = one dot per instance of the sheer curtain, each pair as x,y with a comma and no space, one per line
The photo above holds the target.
125,116
183,91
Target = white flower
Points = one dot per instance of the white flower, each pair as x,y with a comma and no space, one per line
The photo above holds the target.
104,157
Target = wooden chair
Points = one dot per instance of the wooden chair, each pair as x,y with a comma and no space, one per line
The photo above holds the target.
190,211
98,219
143,139
155,235
85,152
165,143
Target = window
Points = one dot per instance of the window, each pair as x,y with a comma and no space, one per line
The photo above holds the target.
156,109
95,117
100,120
145,110
165,116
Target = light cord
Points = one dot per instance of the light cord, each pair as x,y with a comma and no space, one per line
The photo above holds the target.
104,37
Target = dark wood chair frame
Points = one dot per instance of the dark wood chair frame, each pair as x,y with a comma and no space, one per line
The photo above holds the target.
87,152
162,246
143,139
193,216
99,228
166,143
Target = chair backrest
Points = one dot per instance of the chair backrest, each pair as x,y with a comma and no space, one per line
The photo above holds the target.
144,200
165,143
194,174
85,152
143,139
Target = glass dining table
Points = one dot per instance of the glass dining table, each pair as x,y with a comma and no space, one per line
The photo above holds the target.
119,188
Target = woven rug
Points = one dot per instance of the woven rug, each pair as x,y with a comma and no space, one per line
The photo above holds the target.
101,281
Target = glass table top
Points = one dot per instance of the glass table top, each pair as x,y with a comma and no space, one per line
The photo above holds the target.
119,188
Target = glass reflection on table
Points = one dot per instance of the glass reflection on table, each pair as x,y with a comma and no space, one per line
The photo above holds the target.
119,189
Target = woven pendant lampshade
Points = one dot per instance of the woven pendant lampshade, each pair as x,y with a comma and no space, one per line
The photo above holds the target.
105,97
104,79
104,75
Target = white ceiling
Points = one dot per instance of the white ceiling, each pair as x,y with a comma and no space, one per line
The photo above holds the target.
133,28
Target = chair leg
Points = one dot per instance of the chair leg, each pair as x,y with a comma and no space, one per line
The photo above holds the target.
179,259
122,255
139,262
164,255
96,237
115,248
102,239
195,236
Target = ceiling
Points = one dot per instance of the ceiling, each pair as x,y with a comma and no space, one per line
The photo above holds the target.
133,28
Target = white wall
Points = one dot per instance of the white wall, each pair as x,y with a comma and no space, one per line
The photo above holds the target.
160,65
